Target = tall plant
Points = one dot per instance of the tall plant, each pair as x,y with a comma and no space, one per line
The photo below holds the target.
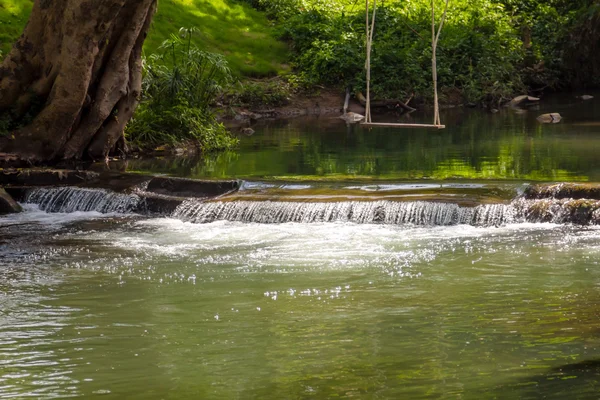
183,72
179,85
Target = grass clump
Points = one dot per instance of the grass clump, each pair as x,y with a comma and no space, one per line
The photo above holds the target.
179,85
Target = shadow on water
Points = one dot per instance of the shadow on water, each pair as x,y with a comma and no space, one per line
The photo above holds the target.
570,381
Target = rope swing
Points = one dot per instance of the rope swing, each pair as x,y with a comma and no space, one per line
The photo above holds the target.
435,37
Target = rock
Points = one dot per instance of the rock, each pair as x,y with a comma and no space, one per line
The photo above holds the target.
247,131
552,118
494,110
352,118
523,101
7,204
586,97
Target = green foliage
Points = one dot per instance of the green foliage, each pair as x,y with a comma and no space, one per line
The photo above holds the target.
489,50
562,41
479,50
179,85
181,71
156,126
284,9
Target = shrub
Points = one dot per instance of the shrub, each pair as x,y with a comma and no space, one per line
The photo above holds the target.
178,88
479,50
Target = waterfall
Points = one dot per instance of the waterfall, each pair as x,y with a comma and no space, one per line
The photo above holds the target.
423,213
377,212
71,199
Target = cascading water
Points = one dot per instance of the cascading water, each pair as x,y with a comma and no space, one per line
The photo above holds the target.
382,212
71,199
423,213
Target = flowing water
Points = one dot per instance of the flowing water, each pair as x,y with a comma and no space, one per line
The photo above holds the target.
293,288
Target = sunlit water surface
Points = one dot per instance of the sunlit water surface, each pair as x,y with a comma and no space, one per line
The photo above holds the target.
127,307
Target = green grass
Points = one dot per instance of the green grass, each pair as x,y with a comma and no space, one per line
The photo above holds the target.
13,17
241,33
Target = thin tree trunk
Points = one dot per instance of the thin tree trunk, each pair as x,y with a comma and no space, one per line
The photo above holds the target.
368,65
435,37
80,63
370,30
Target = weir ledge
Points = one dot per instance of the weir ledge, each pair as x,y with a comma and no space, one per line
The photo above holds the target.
159,194
64,190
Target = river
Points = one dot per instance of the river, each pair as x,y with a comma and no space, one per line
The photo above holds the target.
334,288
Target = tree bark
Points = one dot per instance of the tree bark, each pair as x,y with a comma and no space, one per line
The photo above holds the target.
78,68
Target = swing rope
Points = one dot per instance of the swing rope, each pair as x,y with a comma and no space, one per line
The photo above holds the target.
435,37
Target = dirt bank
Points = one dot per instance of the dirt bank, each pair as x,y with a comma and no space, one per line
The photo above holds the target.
324,102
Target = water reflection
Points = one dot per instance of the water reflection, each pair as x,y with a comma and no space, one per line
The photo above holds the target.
476,144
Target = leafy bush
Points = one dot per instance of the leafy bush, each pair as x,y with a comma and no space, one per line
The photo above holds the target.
178,88
479,50
489,50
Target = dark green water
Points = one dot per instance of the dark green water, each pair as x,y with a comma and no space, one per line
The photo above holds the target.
130,307
475,145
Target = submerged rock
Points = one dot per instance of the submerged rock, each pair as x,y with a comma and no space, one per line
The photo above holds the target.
352,118
551,118
7,204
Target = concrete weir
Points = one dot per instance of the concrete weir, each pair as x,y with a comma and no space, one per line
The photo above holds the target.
202,201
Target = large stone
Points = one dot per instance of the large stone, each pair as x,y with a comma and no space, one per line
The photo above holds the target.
352,118
551,118
7,204
523,101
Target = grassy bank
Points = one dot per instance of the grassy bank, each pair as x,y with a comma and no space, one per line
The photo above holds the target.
241,33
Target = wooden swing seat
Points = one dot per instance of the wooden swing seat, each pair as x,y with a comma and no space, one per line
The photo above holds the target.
393,125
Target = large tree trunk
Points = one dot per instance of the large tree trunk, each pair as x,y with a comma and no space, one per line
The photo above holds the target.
78,68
